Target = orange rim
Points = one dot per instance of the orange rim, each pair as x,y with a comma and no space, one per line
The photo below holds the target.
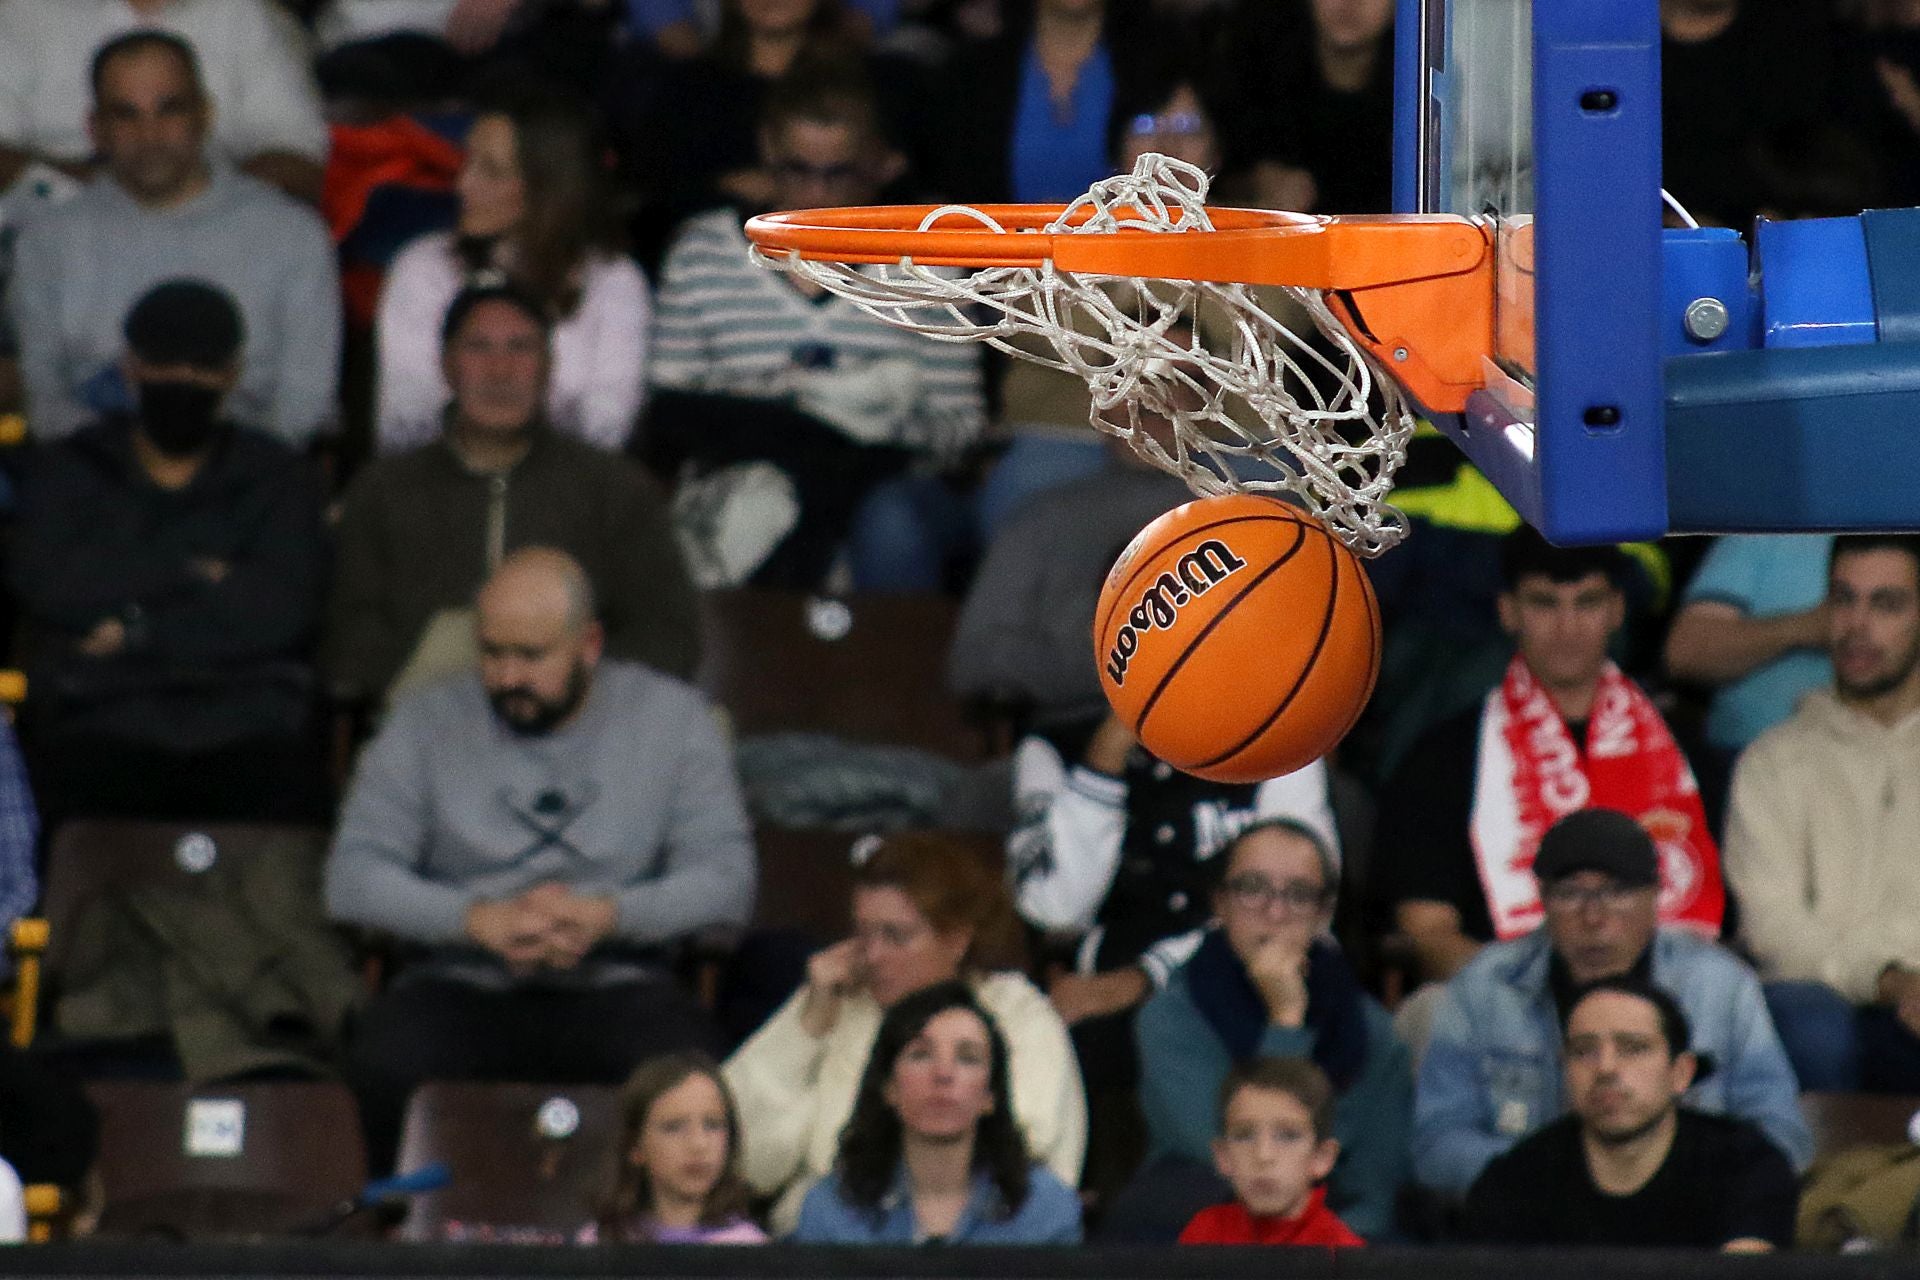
887,233
1416,290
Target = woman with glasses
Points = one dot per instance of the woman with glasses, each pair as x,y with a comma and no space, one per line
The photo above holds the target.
1268,981
933,1152
925,911
1113,859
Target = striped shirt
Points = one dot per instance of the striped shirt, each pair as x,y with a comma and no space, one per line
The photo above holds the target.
723,324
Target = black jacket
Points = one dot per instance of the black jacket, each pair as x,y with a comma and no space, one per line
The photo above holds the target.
218,584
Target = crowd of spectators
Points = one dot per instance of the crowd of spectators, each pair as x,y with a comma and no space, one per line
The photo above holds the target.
394,382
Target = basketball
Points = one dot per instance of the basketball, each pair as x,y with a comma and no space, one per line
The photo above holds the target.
1237,638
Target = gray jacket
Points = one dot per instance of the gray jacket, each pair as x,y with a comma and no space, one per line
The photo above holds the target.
634,798
79,269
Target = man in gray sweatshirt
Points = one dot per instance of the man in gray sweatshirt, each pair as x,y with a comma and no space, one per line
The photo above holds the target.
162,209
542,830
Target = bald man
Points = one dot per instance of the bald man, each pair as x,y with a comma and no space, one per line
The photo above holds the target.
545,828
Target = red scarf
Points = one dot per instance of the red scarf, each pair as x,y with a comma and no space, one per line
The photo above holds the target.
1530,775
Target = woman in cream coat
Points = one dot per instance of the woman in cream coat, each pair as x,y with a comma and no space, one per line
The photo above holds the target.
924,911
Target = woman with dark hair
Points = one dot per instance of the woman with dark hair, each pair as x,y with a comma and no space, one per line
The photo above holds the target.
533,212
934,1151
925,911
675,1176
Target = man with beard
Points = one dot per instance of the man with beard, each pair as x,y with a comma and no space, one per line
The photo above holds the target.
1821,834
1492,1071
169,564
543,830
1630,1165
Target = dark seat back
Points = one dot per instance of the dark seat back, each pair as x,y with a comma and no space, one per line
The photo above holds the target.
232,1161
1842,1120
91,858
867,668
527,1160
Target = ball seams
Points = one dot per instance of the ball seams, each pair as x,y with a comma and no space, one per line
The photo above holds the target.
1149,558
1306,668
1220,615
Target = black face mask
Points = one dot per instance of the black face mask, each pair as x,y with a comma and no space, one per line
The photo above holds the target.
179,417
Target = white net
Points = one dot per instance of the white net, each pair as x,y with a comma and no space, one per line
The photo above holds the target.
1266,408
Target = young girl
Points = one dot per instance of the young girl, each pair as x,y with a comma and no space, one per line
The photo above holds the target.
673,1179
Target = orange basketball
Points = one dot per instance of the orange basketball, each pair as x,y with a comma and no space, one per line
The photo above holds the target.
1237,638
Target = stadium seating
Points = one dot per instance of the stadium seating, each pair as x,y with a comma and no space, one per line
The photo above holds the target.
525,1159
228,1161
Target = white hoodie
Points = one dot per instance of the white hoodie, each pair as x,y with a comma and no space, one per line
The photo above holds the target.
1823,847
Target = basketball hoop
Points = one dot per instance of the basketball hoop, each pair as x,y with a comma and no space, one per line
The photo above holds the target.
1112,283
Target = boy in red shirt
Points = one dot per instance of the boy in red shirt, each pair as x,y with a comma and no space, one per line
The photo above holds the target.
1273,1147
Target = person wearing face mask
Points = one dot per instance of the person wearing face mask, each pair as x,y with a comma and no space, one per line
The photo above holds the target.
169,562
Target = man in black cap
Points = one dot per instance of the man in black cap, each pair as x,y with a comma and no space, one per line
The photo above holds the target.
1564,729
169,565
1631,1165
1491,1070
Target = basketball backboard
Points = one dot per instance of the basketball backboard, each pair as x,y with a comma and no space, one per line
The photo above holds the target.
1643,381
1543,116
1616,379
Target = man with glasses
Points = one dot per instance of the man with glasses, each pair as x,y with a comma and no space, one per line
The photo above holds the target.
754,369
165,205
1492,1068
1632,1164
1563,730
1267,981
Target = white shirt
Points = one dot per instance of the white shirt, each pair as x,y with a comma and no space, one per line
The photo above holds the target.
599,373
253,61
13,1207
347,20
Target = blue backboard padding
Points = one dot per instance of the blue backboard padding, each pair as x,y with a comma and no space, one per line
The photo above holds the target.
1698,263
1806,438
1408,85
1816,291
1598,270
1893,260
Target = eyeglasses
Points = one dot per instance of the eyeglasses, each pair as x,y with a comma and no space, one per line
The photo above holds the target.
1182,123
1610,897
1257,893
824,174
890,935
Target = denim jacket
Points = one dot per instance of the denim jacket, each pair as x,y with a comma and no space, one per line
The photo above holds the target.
1492,1070
1049,1215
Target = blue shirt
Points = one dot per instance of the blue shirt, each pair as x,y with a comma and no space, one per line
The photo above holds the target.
19,835
648,17
1049,1215
1764,575
1054,158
